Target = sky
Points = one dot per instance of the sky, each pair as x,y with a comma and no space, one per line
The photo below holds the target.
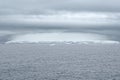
45,20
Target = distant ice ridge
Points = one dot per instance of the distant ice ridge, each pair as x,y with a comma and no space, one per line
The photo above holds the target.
52,43
102,42
68,38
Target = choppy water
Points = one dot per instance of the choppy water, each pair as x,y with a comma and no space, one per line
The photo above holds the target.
59,61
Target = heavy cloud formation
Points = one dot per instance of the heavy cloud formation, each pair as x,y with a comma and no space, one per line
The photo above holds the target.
98,17
42,6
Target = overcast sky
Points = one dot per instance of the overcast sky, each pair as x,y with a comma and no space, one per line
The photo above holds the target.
21,17
41,6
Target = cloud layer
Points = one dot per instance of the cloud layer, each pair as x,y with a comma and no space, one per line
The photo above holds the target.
101,23
43,6
20,17
63,18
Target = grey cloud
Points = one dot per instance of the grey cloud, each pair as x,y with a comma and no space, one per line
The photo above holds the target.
41,6
50,7
5,38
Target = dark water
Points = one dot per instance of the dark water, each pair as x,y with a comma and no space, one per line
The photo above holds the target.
59,61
